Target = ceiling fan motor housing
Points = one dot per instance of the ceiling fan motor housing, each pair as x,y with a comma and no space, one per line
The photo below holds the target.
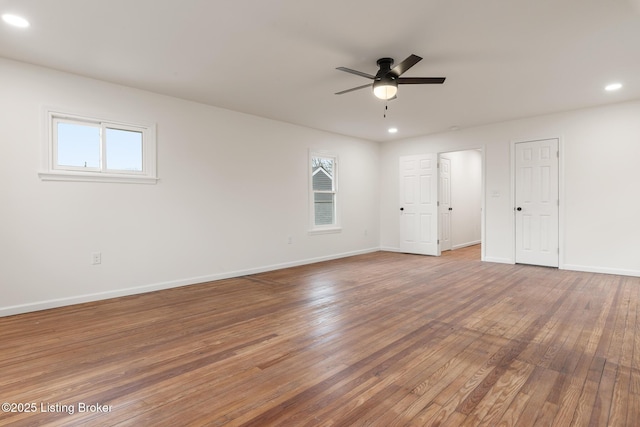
385,66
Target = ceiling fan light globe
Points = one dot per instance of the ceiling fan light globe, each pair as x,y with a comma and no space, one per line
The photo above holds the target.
385,90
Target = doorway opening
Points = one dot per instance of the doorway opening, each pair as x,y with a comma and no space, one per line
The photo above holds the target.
460,199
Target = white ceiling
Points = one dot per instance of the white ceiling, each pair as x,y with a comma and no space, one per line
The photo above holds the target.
503,59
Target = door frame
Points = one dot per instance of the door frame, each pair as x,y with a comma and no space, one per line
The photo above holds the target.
483,168
561,205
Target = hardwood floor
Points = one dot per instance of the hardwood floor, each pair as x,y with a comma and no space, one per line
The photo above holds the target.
381,339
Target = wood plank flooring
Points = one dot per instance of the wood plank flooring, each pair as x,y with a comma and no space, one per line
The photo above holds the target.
382,339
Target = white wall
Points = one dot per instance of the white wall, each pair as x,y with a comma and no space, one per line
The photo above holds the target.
232,189
466,197
215,213
600,175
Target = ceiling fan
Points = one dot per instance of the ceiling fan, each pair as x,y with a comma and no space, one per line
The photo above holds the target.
386,81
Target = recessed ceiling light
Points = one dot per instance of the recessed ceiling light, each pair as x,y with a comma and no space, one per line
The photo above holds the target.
15,20
393,130
612,87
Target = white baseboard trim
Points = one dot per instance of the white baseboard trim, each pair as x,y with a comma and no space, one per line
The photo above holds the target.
464,245
603,270
499,260
62,302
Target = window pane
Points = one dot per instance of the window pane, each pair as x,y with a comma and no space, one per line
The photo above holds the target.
324,208
124,150
78,145
322,173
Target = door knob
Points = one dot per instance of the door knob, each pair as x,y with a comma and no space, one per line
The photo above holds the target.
518,208
401,209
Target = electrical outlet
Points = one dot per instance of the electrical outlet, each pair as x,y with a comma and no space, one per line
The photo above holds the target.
96,258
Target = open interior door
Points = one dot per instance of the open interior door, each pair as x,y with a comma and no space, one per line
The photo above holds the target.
419,204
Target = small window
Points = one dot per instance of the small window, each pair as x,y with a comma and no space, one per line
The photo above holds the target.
324,192
88,149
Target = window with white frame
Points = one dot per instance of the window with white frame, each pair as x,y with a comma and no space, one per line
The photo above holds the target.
324,191
90,149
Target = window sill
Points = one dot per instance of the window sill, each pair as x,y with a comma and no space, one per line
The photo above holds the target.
328,230
96,177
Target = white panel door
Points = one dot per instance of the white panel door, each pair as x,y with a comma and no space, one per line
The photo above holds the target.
536,210
419,204
445,208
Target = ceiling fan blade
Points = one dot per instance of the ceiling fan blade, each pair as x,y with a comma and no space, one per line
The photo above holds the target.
354,88
420,80
356,72
402,67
